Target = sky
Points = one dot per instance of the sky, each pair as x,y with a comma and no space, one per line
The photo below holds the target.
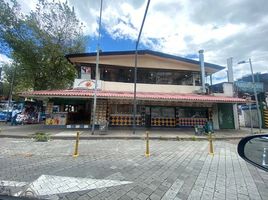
224,29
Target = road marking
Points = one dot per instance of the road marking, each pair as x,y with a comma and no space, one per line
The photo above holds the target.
47,185
12,183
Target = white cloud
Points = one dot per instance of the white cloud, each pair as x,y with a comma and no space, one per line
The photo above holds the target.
223,29
4,59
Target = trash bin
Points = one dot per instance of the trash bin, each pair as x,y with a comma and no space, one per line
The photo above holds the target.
103,126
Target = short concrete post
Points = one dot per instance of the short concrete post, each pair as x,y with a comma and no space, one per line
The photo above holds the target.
211,150
147,151
76,154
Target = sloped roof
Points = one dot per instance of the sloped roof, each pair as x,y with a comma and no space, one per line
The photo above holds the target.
129,95
144,52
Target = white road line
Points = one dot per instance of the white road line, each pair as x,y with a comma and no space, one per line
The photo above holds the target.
47,185
12,183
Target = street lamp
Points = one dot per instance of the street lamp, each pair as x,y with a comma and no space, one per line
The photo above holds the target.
255,91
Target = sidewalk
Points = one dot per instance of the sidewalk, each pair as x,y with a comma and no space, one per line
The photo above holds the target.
27,131
118,169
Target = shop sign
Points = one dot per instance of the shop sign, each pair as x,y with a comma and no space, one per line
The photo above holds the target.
86,84
248,86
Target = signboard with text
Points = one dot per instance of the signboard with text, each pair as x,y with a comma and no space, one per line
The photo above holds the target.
86,84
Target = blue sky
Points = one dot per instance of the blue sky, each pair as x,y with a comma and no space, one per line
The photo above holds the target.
180,27
107,43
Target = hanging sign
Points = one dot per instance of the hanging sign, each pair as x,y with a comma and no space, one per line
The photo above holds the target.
86,84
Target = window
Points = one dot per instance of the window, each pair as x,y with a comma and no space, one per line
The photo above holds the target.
124,109
144,75
163,112
193,112
121,109
116,74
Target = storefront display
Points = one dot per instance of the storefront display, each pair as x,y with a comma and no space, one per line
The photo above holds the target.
163,116
59,118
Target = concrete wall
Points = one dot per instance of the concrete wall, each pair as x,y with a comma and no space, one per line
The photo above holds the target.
254,116
228,90
215,117
236,119
129,87
144,61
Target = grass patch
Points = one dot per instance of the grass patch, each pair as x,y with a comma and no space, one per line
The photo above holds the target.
193,138
41,137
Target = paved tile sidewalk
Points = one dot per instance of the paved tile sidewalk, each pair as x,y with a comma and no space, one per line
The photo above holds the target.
27,131
175,170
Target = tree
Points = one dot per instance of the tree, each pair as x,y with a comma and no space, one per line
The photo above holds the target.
12,74
39,41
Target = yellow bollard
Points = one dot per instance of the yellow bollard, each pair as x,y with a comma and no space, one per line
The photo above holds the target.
76,154
211,150
147,152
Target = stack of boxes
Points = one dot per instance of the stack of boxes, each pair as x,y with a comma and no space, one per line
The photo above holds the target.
49,107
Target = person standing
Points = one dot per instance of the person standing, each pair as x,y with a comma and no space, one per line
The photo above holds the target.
14,114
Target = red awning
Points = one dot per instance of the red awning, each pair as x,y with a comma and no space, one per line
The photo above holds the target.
179,97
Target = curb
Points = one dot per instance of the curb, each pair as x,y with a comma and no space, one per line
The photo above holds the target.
105,137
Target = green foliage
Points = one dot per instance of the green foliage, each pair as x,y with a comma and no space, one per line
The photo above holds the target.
39,42
11,70
41,137
193,138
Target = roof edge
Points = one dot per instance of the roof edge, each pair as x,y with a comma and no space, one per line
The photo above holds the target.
143,52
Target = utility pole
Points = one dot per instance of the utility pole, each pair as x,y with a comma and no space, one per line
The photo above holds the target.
256,96
135,69
96,75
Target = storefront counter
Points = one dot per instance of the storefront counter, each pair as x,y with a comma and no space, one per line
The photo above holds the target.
59,118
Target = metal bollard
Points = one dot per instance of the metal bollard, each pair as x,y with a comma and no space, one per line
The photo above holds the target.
211,150
147,152
76,154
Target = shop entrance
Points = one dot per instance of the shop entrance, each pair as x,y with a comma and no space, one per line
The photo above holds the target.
76,111
78,114
226,116
147,117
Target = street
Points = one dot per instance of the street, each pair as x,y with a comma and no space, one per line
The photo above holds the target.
118,169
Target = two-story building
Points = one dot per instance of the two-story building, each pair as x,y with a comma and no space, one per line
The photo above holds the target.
168,93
